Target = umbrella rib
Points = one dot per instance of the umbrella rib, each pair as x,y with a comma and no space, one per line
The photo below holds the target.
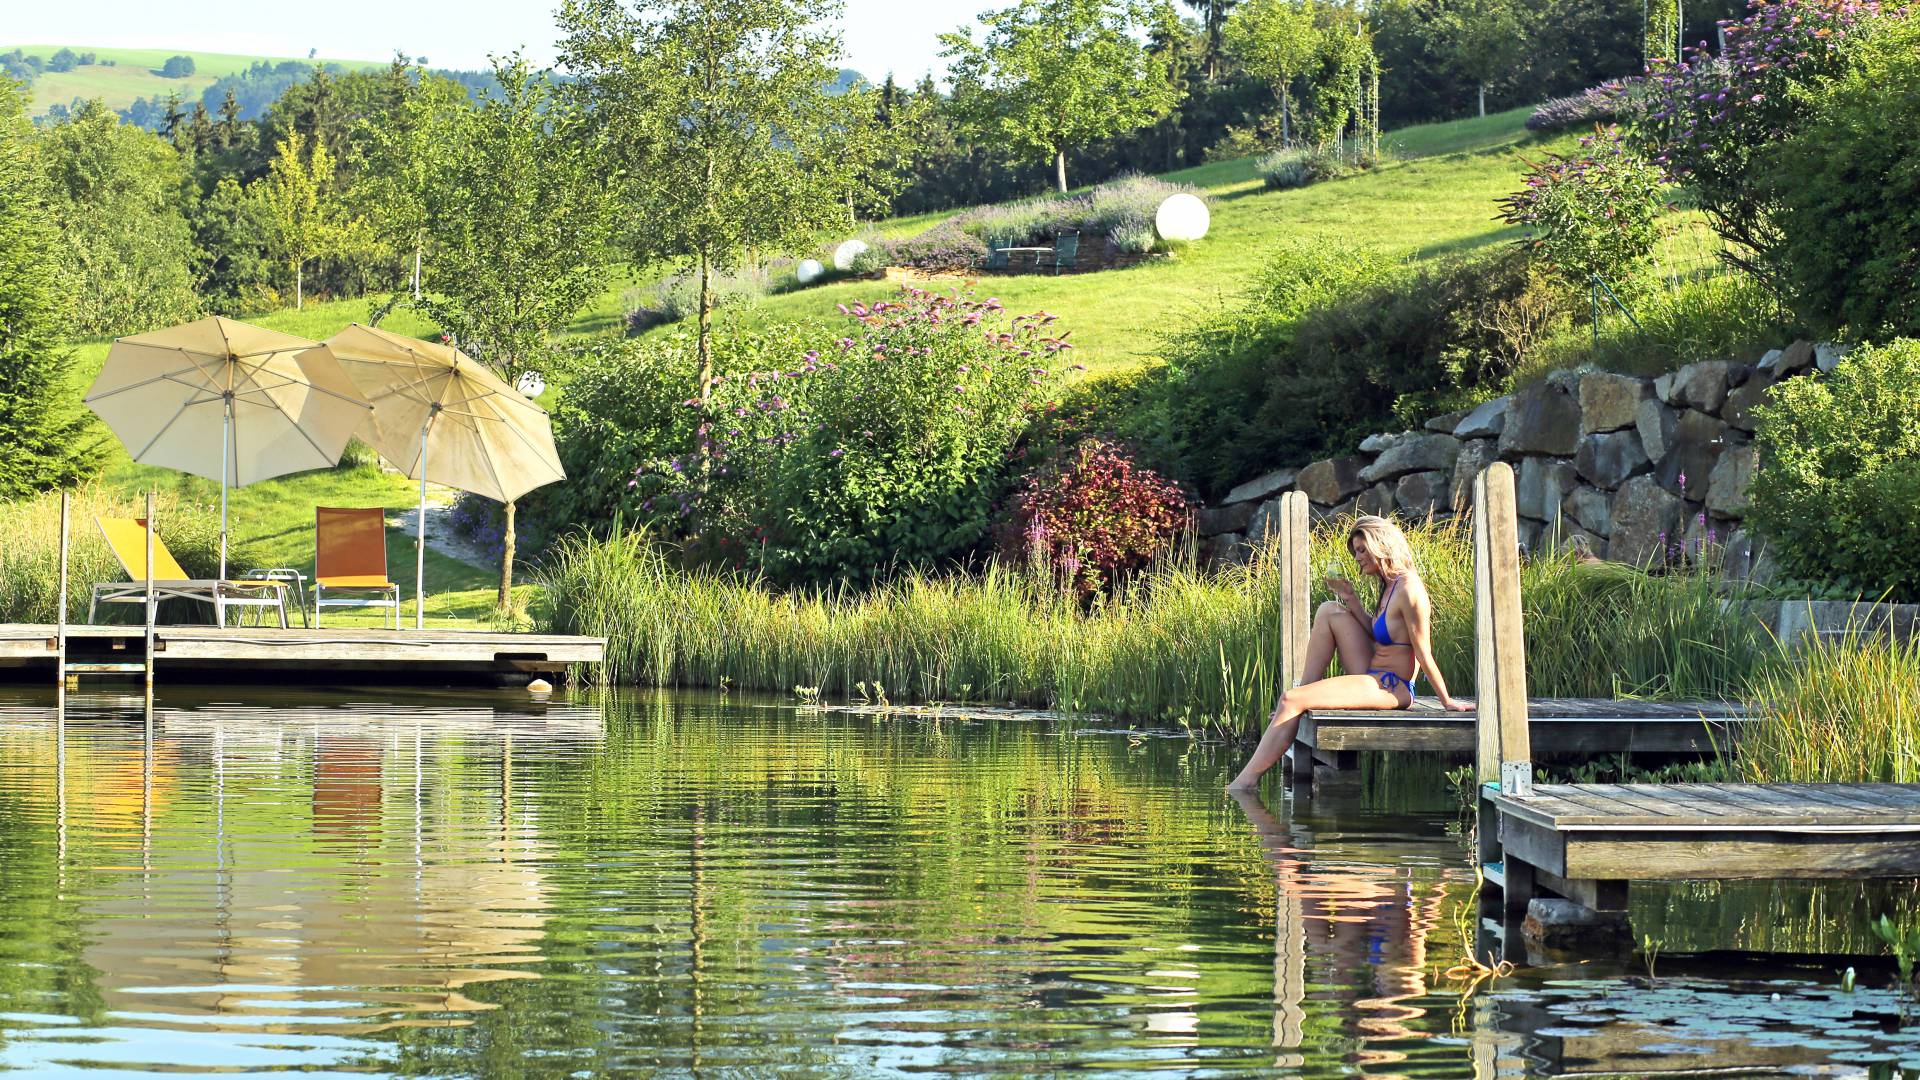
522,436
254,371
163,430
165,376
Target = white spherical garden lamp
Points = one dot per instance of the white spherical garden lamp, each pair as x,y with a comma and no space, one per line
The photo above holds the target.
848,251
1181,217
809,271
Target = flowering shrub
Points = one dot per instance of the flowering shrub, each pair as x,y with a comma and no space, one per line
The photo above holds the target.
1299,167
1592,213
1615,99
1121,210
1710,120
887,445
1094,513
481,522
939,248
1837,483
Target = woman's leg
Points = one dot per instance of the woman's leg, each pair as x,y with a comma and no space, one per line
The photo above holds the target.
1339,692
1334,627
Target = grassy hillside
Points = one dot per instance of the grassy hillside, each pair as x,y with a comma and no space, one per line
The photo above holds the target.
1433,194
135,73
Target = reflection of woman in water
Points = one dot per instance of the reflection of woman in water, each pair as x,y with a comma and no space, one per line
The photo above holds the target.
1391,646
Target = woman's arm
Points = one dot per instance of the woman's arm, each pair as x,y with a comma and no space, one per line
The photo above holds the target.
1349,598
1419,611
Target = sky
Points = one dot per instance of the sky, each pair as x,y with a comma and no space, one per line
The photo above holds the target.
881,35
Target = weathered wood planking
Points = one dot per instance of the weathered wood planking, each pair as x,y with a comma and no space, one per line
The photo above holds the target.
213,651
1589,834
1572,726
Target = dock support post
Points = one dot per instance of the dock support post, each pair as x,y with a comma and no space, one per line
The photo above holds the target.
150,600
60,620
1295,621
1505,749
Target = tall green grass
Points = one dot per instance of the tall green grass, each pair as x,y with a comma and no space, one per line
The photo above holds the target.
1841,710
30,549
1173,644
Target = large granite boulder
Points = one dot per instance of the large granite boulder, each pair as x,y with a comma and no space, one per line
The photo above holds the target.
1591,509
1484,421
1382,441
1540,486
1423,494
1727,484
1544,419
1475,456
1232,518
1226,549
1827,355
1687,468
1412,453
1446,422
1654,422
1262,487
1738,411
1701,386
1607,459
1646,517
1381,499
1264,523
1332,481
1609,402
1791,360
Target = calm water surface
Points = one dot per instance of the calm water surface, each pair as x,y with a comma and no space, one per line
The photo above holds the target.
384,884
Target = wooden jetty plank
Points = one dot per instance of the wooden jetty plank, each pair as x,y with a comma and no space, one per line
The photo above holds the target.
1742,855
1700,807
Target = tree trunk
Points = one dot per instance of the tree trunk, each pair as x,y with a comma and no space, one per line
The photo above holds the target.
416,268
299,285
706,326
1060,164
1483,101
1286,120
506,564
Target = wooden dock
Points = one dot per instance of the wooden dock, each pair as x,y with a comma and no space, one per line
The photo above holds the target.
1586,842
295,657
1562,727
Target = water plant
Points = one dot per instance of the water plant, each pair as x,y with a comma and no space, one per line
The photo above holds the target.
1840,709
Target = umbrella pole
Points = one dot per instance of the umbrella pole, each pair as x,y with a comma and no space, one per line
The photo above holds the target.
226,446
420,548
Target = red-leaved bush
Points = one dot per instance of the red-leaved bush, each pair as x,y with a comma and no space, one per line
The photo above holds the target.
1093,512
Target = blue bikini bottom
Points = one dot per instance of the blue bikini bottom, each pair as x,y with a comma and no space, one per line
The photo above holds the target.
1391,681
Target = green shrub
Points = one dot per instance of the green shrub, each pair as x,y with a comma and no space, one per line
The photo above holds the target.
1848,189
1093,514
1837,487
1331,343
1718,316
1298,167
1591,214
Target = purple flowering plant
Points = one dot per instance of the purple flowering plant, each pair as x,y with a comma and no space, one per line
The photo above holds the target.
1591,213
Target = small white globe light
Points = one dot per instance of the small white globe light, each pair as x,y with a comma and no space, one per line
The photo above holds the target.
1181,217
531,383
809,271
848,251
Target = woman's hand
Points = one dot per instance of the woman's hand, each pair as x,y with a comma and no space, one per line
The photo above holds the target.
1341,588
1451,705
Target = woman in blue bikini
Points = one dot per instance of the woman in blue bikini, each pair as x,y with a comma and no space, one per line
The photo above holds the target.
1390,646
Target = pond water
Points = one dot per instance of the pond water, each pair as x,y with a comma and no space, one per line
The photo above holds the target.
381,883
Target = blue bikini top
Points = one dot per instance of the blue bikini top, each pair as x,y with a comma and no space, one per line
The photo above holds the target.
1381,636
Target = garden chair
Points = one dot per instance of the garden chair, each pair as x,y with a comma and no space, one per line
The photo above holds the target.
127,537
1066,251
350,556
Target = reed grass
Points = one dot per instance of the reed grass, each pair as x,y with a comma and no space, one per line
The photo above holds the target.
30,548
1173,644
1844,709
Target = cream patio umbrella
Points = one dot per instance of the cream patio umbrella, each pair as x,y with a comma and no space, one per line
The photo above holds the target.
440,415
228,401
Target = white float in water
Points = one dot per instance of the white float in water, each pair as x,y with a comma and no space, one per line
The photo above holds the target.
809,271
1181,217
844,255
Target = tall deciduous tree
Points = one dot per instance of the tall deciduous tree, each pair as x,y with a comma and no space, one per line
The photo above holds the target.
1213,20
723,126
45,433
1050,76
1275,41
307,216
1485,38
515,201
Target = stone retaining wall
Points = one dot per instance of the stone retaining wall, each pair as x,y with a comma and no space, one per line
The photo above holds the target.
1632,467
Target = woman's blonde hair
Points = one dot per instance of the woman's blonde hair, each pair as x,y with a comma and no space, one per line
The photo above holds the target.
1383,540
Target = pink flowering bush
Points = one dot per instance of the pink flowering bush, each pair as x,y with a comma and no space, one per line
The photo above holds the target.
1593,213
1095,513
1711,120
882,444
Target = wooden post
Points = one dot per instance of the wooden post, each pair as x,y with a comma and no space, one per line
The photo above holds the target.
60,642
1296,623
150,600
1500,646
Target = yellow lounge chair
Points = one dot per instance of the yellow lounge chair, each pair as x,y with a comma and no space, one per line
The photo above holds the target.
350,554
127,537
